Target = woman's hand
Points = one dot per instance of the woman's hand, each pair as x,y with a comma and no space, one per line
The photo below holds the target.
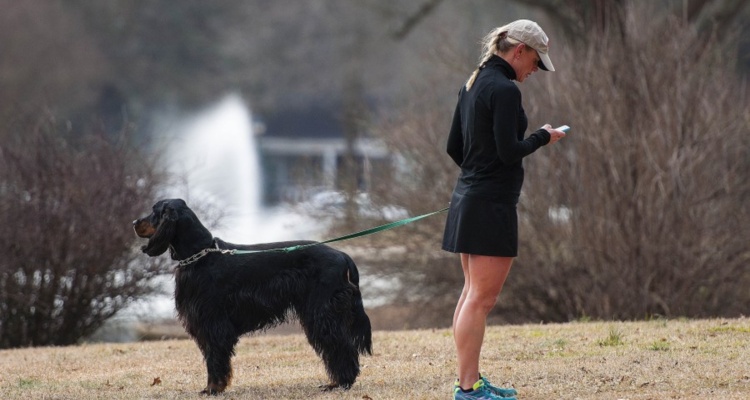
554,134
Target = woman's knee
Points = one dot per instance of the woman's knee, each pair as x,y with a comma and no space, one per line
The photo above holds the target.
481,302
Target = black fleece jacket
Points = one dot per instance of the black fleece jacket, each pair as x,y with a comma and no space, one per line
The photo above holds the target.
487,135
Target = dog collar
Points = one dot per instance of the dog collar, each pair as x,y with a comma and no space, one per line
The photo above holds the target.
197,256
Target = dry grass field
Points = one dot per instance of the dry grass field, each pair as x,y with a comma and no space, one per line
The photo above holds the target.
660,359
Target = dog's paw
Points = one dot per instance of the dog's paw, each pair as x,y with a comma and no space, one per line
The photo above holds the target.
328,387
333,386
211,391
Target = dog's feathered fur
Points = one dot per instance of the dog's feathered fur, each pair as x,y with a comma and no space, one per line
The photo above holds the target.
222,296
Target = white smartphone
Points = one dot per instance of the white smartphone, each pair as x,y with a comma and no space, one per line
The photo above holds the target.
563,128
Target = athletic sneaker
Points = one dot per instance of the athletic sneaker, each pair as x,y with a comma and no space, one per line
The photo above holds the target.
479,392
507,393
500,391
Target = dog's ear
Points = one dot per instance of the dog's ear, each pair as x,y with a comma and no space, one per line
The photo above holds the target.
159,242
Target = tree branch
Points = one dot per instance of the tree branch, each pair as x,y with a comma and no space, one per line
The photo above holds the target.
411,21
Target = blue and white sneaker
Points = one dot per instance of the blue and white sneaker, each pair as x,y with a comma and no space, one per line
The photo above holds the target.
506,393
479,391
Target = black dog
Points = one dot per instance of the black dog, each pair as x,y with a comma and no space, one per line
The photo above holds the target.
221,296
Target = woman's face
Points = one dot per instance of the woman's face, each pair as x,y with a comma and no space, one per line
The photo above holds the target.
526,62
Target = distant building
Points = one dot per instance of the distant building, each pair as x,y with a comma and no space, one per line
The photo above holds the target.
303,150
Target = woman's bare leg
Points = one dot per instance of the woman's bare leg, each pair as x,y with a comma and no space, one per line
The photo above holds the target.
464,291
486,276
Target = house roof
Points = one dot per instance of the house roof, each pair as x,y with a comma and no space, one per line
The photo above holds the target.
309,121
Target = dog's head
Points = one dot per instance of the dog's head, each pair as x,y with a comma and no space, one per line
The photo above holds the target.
160,226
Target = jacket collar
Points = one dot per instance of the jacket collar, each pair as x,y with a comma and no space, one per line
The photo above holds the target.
500,64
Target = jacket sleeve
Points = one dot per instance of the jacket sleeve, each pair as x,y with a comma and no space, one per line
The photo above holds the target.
455,137
506,104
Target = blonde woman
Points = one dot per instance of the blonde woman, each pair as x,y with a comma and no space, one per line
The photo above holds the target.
487,141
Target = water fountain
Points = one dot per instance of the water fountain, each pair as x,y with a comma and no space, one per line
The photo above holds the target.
214,158
213,155
214,161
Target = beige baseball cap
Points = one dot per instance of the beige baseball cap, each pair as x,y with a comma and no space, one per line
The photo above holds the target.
531,34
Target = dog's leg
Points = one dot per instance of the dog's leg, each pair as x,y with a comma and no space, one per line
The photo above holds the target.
340,358
329,334
360,328
218,348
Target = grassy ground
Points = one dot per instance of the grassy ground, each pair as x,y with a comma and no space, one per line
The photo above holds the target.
659,359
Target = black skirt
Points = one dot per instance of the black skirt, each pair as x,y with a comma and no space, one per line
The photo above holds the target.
481,226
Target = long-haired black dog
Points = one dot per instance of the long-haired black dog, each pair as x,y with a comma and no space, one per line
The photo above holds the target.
222,296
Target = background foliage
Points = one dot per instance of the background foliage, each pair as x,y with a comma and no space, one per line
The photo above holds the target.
642,210
68,263
639,212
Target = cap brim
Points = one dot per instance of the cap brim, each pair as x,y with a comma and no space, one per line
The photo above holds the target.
544,62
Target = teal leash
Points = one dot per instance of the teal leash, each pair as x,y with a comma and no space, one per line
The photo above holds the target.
365,232
195,257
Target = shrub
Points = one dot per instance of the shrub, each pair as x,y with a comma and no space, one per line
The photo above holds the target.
654,177
641,211
68,255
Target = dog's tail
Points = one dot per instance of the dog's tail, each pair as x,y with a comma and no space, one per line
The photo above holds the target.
360,328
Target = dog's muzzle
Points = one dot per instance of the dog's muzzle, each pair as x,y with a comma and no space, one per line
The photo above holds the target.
143,228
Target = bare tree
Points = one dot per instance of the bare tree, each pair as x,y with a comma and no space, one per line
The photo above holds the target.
68,253
425,281
578,18
638,213
47,60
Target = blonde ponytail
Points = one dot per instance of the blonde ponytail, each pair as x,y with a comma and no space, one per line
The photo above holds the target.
494,42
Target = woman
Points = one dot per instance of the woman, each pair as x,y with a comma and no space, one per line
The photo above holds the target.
487,141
